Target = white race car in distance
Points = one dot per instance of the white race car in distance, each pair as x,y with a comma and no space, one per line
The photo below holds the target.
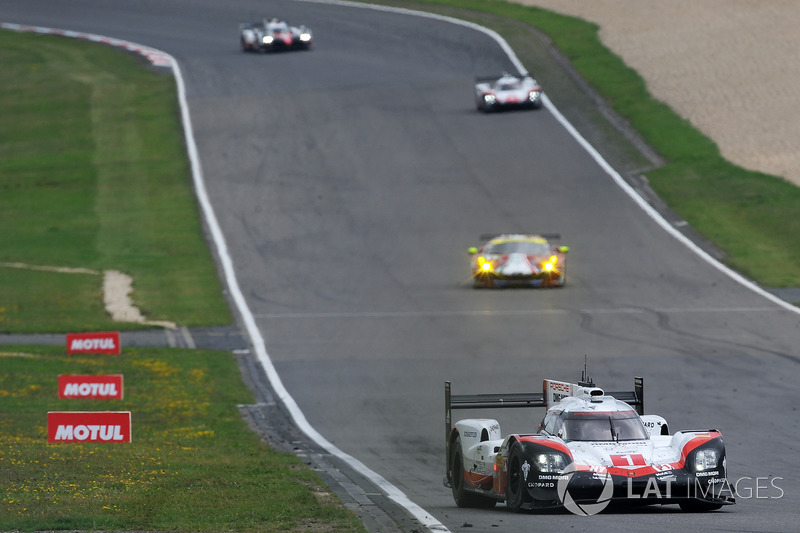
273,34
507,92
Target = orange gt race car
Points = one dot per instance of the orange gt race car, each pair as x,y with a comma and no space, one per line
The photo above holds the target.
525,260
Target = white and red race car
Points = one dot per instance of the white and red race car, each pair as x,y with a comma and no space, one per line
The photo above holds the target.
274,34
507,92
591,450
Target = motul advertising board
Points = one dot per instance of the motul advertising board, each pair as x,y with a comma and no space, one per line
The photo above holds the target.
107,387
106,342
89,426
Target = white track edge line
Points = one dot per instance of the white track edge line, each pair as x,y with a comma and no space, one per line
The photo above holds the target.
258,342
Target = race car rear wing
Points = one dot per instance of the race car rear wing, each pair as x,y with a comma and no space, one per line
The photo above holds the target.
552,391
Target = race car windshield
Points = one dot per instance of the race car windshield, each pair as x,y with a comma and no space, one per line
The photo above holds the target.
609,427
524,247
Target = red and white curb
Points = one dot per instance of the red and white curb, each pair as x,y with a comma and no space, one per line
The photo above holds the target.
156,57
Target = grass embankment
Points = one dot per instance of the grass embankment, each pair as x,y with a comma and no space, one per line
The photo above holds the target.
192,465
94,175
753,217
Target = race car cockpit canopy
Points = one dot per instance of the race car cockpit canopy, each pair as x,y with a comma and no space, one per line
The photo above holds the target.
613,426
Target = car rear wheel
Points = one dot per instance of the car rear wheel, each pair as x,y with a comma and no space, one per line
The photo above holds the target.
517,497
462,497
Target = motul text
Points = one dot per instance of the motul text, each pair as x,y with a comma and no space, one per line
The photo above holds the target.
105,342
91,433
88,426
90,387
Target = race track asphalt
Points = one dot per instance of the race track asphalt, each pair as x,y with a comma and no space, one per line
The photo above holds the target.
349,182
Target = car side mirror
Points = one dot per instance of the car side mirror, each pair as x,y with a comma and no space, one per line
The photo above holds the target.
472,250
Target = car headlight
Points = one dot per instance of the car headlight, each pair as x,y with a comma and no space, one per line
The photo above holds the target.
533,96
489,98
267,39
550,462
706,459
305,36
550,264
484,265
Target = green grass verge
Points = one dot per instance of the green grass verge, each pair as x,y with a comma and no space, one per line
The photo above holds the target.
754,218
193,463
94,175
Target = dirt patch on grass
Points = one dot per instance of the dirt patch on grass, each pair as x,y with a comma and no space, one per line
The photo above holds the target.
117,287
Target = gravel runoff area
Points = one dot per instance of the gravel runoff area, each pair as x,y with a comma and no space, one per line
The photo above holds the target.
730,67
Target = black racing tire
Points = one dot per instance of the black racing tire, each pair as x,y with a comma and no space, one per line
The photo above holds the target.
695,506
517,497
462,497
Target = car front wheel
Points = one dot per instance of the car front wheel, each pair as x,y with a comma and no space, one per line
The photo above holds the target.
517,497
